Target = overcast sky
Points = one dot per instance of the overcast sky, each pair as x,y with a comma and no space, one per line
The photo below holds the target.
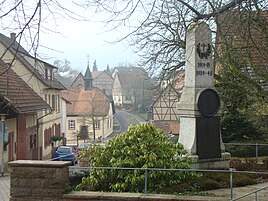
61,37
80,39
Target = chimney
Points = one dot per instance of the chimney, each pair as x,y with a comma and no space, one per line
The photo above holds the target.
13,37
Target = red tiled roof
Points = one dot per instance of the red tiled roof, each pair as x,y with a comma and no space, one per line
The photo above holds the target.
168,126
17,94
89,102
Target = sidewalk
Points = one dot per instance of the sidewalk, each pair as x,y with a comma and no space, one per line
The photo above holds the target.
4,188
241,191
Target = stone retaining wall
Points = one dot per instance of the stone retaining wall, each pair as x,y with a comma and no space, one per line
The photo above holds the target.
32,180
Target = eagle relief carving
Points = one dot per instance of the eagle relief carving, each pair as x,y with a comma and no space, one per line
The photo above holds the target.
203,50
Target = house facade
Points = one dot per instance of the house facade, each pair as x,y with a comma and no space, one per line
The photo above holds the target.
89,113
101,80
163,112
39,76
131,88
19,110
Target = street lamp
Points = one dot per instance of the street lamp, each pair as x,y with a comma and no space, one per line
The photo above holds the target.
3,117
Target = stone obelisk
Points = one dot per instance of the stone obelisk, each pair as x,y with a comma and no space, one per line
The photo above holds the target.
199,106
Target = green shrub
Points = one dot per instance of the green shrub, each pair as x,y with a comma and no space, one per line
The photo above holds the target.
142,146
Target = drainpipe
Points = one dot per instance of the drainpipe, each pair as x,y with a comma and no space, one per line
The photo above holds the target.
37,126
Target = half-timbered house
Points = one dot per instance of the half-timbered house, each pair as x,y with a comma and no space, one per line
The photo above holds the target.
163,111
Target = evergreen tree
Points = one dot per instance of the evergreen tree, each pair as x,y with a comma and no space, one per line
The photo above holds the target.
95,68
243,118
108,70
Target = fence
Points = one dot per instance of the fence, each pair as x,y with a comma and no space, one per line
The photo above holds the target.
257,148
231,173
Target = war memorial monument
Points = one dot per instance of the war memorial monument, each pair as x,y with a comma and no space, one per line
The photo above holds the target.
200,106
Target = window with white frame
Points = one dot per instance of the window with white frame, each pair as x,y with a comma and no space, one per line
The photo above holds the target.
71,125
97,124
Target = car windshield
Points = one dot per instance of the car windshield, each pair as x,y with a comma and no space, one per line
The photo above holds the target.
64,150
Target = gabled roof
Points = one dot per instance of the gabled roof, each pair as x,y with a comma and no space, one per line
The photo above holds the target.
17,94
96,74
79,79
177,84
169,89
86,102
129,75
20,53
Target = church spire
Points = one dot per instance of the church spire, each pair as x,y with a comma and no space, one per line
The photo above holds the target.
88,79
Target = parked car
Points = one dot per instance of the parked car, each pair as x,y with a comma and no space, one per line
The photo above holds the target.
82,146
65,153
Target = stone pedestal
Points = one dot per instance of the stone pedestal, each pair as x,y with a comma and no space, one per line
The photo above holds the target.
214,163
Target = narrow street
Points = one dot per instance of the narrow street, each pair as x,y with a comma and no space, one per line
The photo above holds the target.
125,119
122,120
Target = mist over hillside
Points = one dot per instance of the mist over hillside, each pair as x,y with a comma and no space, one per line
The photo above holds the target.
65,74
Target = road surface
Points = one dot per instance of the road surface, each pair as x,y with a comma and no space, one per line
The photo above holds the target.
122,120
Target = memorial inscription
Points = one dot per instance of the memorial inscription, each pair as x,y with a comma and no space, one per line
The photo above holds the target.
204,66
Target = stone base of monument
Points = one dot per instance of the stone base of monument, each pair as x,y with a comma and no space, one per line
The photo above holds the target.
213,163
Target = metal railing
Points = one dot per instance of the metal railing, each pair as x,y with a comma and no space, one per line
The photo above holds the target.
256,145
146,170
251,193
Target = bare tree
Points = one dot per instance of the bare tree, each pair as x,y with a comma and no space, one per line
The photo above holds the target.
157,28
28,19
